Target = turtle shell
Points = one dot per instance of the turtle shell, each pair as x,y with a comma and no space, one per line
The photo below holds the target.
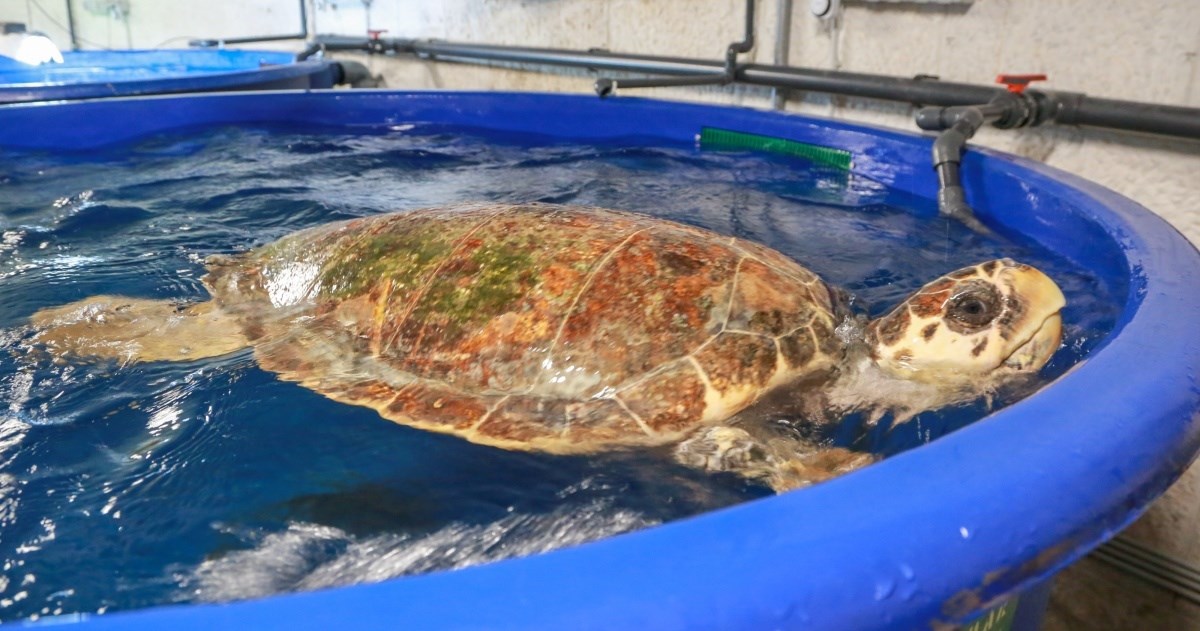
538,326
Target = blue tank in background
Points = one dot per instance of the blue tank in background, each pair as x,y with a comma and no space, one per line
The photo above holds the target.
95,74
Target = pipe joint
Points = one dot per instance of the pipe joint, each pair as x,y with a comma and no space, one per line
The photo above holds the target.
942,118
1024,109
958,125
949,144
608,87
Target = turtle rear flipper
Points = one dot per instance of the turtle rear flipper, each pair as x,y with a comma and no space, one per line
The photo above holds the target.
137,330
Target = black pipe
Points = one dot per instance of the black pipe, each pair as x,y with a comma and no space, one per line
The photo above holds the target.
210,43
1129,115
592,60
355,75
783,43
606,86
1064,108
919,91
925,91
304,19
959,124
71,26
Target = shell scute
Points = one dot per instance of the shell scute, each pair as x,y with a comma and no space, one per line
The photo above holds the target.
599,421
768,301
738,365
539,326
443,407
487,316
798,347
525,419
670,401
640,311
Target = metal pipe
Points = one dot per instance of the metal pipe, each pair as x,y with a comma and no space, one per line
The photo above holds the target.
783,46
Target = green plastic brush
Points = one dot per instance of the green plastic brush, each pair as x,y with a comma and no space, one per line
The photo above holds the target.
724,139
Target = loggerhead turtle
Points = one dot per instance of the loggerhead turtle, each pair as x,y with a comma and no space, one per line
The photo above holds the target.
568,330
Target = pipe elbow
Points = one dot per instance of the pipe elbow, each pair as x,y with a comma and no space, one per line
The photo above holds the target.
947,147
356,75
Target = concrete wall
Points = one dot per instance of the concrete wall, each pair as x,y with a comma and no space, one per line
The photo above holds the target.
1139,50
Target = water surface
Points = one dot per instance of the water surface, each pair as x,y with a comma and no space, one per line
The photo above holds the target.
129,486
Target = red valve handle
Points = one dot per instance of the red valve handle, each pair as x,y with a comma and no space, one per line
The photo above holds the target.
376,33
1016,83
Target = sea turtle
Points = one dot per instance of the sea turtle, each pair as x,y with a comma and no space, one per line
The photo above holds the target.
568,329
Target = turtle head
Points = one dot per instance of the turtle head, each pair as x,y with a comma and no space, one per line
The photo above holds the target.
971,326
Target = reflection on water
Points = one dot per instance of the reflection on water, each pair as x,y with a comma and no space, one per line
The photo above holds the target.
129,486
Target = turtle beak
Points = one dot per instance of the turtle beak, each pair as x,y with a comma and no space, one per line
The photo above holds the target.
1037,329
1034,354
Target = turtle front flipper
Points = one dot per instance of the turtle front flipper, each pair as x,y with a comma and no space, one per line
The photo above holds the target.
806,469
780,463
137,330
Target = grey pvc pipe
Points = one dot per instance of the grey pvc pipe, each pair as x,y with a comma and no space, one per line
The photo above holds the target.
1072,108
208,43
783,46
1078,109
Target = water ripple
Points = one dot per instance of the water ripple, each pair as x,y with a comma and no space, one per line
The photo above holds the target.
309,556
112,477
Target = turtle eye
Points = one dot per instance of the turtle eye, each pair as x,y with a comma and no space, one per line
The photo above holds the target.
974,306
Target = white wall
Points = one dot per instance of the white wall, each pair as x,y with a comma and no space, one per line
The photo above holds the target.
154,23
1144,50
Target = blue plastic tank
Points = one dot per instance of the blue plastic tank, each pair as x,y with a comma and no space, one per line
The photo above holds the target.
970,528
93,74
